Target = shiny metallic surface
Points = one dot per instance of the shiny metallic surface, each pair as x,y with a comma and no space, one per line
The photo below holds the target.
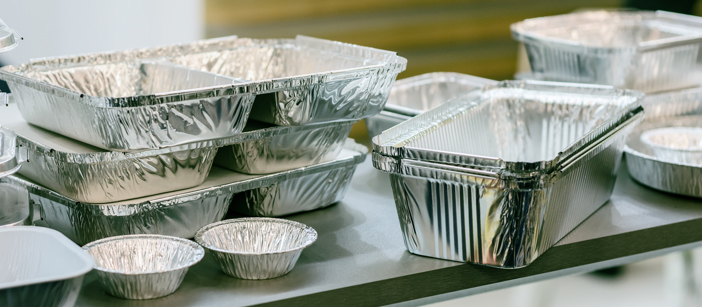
414,95
40,267
14,206
647,51
541,158
8,152
127,106
669,110
256,248
301,194
275,153
8,38
179,213
143,266
675,144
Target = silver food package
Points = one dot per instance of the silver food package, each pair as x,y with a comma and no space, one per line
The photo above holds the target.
680,109
414,95
100,98
498,175
132,105
182,213
641,50
92,175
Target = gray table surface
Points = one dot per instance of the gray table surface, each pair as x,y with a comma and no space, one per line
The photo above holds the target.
360,259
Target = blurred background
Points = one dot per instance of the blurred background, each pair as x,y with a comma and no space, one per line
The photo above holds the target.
471,37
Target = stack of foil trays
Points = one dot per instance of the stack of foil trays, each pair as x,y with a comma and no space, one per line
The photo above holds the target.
125,142
497,175
412,96
646,51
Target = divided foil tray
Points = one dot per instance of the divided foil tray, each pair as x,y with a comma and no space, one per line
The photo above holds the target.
532,161
184,212
414,95
641,50
92,175
674,109
115,101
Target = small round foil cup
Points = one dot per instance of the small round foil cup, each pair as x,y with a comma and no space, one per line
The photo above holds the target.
675,144
256,248
143,267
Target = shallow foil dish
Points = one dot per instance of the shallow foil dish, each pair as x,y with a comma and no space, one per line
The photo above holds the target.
498,175
296,82
182,213
130,105
641,50
92,175
414,95
674,109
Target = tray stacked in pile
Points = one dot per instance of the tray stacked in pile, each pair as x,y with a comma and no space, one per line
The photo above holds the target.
125,142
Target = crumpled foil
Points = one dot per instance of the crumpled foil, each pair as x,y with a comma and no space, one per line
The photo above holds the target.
143,266
647,51
179,213
256,248
541,157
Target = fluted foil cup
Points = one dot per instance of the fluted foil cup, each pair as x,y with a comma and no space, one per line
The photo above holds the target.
256,248
143,267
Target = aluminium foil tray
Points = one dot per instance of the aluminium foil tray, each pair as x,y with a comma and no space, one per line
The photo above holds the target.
641,50
182,213
296,82
92,175
498,175
673,109
414,95
40,267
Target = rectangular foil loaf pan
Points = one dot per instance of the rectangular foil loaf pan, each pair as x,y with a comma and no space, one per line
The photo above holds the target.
673,109
414,95
497,176
89,174
646,51
131,105
182,213
296,81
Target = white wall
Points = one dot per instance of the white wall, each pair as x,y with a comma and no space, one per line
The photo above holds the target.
65,27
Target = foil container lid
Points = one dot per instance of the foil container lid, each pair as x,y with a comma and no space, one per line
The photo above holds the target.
8,38
8,158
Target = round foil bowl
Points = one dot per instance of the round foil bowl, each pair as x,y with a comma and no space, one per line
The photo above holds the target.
143,267
256,248
675,144
14,206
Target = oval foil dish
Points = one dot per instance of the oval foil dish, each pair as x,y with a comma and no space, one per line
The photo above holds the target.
143,266
256,248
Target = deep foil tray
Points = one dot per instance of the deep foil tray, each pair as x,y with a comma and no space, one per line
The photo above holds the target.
127,106
40,267
297,81
414,95
647,51
88,174
535,160
675,109
182,213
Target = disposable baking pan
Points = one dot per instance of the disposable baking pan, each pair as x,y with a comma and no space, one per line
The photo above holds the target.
414,95
40,267
92,175
498,175
179,213
130,105
647,51
674,109
296,81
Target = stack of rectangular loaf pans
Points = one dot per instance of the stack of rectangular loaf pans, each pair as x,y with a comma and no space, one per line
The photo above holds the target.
655,52
498,175
124,142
